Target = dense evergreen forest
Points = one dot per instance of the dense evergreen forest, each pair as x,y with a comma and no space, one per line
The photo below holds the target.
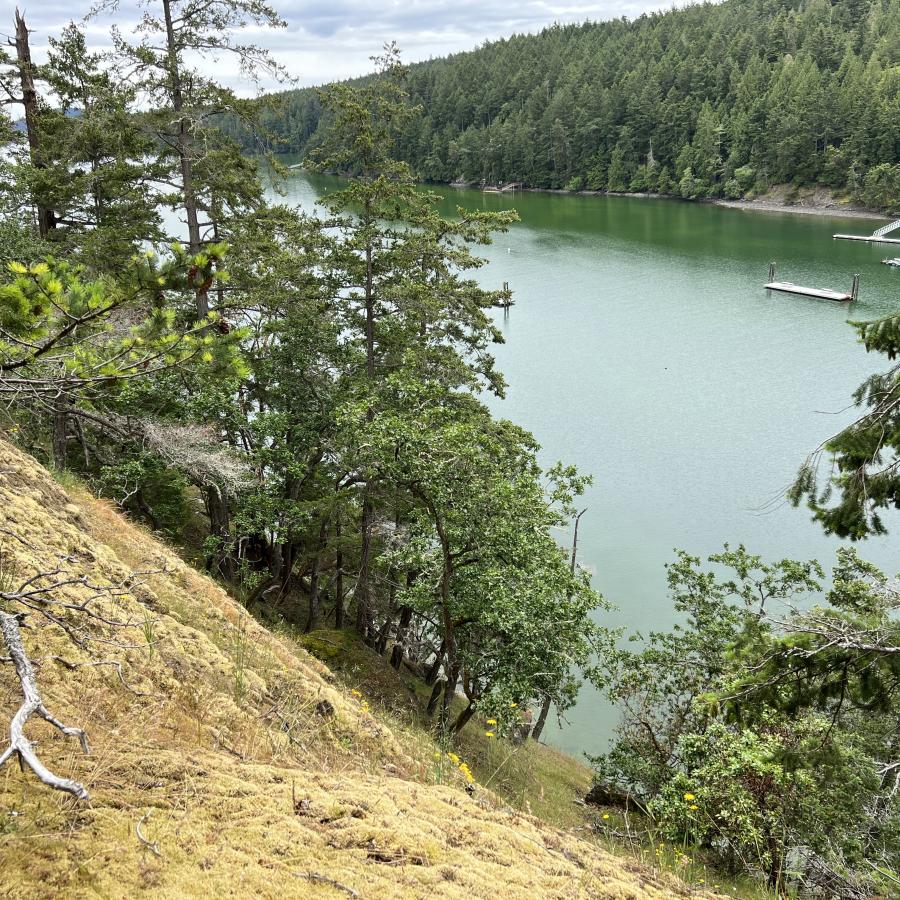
295,400
711,100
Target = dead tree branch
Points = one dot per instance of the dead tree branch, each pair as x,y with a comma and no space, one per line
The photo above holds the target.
19,744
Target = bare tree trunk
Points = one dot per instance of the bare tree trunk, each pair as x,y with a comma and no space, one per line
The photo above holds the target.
46,217
545,705
313,617
182,139
338,577
388,624
362,593
19,745
60,431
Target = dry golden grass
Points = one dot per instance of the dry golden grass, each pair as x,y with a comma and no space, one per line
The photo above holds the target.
253,773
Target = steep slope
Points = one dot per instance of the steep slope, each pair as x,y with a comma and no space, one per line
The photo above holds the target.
224,760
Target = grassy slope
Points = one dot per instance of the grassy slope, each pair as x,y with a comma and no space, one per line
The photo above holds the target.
217,745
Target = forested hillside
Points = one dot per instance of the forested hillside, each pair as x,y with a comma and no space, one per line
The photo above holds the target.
712,100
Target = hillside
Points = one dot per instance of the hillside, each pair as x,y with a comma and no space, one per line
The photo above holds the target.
708,100
226,761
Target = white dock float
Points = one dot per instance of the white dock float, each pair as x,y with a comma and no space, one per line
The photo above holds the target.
876,237
869,238
820,293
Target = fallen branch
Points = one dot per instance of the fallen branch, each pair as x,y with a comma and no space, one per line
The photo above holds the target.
19,745
323,879
101,662
152,846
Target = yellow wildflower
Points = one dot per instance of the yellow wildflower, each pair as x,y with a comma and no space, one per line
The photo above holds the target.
453,758
605,815
513,704
489,734
356,693
693,806
689,797
491,721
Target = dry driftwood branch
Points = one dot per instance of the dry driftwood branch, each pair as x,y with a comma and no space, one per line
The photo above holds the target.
152,846
19,744
38,595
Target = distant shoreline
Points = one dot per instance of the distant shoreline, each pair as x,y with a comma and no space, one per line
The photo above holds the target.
836,212
818,208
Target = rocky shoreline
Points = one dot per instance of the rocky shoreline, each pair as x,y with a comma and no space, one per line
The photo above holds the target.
817,203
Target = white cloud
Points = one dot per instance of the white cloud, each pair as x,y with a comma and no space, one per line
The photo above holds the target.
333,39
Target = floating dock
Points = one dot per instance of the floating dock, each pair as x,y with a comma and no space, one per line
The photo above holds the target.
820,293
870,238
788,287
876,237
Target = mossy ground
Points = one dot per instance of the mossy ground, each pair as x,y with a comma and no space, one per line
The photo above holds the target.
251,768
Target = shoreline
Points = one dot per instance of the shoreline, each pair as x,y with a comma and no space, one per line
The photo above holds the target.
758,205
836,212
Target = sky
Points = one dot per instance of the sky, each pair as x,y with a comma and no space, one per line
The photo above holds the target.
327,40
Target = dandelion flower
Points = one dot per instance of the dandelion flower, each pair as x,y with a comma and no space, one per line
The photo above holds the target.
489,734
453,758
689,797
693,806
356,693
491,721
605,815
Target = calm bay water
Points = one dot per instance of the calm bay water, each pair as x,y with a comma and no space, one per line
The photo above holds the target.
643,348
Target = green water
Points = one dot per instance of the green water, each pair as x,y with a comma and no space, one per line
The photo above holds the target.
643,348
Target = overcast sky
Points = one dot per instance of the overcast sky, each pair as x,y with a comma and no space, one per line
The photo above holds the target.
332,39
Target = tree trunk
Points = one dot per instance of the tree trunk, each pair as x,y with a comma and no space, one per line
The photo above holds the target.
435,669
220,527
399,647
60,431
463,718
182,140
338,578
542,720
385,633
435,696
46,217
313,617
545,706
449,693
362,593
140,501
